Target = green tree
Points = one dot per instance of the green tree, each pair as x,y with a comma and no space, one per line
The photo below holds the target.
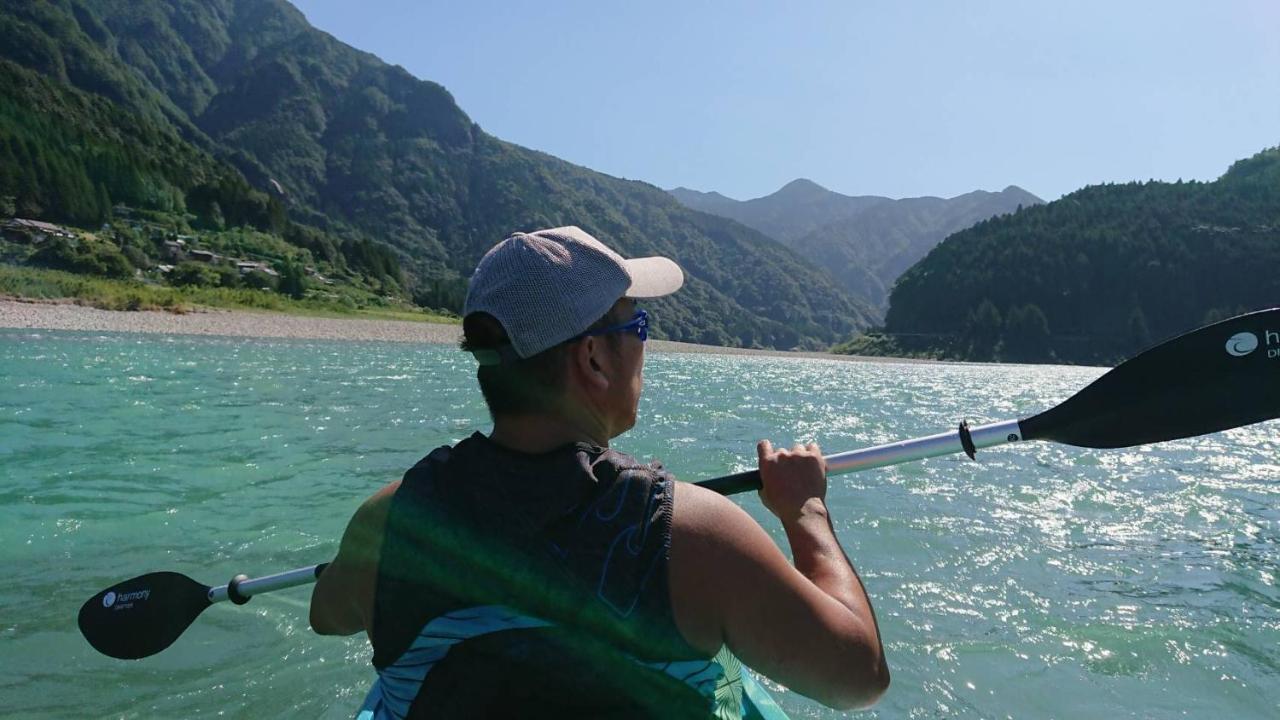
136,257
1139,332
983,328
194,273
82,257
214,217
228,276
293,280
1026,333
258,280
102,201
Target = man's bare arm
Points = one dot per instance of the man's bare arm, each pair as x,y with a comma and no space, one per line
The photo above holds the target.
809,626
342,601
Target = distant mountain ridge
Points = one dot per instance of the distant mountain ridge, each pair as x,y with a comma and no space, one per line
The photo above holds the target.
793,211
864,242
249,89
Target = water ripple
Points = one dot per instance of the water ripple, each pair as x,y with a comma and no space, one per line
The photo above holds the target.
1041,581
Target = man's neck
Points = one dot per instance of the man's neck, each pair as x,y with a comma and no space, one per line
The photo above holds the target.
535,434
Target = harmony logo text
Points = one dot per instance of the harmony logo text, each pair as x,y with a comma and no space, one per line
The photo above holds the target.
1246,343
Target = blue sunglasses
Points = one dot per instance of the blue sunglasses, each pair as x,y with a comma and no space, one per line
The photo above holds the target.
639,323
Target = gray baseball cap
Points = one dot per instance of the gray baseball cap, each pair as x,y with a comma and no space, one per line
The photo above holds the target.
548,286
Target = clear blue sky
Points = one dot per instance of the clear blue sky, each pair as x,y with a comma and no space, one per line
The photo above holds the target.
877,98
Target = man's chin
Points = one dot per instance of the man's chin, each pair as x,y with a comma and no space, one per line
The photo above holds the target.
627,426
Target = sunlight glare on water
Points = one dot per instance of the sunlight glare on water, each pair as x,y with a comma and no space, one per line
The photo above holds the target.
1041,581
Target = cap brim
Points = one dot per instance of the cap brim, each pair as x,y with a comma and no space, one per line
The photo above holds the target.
653,277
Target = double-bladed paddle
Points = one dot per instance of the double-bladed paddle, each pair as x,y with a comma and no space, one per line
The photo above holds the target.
1218,377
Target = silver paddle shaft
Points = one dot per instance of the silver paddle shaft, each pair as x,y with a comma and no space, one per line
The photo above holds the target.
247,588
983,436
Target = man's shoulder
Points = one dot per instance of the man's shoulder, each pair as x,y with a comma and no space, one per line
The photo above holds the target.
473,443
706,512
718,530
373,511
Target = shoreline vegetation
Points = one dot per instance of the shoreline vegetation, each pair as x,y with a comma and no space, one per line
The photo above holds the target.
44,285
67,314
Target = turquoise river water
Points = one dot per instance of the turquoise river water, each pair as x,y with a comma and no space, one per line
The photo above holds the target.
1042,581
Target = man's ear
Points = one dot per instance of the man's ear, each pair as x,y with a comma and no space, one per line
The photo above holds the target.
589,363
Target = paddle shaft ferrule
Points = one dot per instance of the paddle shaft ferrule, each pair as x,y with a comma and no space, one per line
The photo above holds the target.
982,436
240,589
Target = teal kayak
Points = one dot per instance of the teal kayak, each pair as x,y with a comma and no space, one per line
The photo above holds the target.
730,691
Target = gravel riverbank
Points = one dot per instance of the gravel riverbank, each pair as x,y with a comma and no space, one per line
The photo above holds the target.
236,323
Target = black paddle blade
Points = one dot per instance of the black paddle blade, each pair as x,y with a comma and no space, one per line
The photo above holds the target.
1218,377
142,616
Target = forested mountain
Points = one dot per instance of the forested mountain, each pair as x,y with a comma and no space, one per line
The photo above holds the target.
1099,274
864,242
237,111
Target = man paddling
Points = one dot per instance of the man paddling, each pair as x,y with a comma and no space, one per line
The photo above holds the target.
539,572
